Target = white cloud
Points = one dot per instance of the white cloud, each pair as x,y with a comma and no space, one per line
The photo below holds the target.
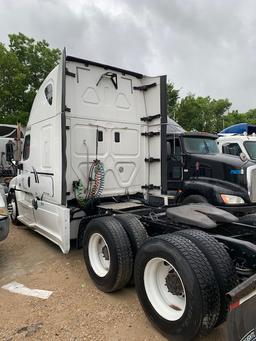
205,47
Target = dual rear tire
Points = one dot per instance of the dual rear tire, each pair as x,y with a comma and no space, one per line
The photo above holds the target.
176,286
110,245
181,279
221,263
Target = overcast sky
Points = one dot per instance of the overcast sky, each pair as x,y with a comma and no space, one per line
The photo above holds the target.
206,47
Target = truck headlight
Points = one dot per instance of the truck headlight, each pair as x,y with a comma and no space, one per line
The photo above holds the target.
231,199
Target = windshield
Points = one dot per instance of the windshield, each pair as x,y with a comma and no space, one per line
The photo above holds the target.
200,145
250,147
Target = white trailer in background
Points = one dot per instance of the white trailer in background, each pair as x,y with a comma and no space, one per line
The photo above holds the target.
94,169
8,135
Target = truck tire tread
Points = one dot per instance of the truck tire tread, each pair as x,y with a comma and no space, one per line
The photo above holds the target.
135,230
121,268
220,262
203,277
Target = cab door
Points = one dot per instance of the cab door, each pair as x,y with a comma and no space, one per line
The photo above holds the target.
24,195
174,163
41,203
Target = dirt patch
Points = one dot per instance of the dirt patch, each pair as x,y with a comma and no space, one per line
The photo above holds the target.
76,310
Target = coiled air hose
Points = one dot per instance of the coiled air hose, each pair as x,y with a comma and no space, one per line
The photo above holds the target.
98,175
95,185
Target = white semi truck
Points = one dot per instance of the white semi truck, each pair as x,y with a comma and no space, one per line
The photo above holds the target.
8,145
239,140
94,169
238,144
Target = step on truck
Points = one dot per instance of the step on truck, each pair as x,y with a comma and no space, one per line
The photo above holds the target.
94,170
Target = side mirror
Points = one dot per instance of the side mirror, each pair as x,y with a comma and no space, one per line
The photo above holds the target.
243,157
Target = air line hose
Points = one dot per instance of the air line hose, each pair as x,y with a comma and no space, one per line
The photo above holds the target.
95,185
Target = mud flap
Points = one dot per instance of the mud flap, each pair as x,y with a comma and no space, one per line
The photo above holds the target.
241,322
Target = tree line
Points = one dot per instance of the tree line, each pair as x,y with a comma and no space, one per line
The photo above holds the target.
25,63
204,113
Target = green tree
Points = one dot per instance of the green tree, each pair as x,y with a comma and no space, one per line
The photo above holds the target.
24,64
201,113
250,116
172,99
12,82
235,117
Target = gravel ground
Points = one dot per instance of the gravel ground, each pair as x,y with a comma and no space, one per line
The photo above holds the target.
76,310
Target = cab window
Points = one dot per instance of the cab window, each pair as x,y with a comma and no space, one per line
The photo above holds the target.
250,146
232,149
174,148
174,157
49,93
26,148
200,145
